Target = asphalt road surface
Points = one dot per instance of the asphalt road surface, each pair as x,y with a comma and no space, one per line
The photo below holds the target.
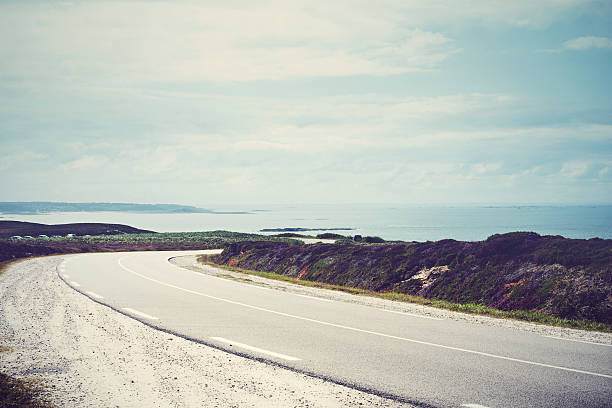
412,358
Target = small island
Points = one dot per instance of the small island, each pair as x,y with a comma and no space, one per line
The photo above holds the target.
300,229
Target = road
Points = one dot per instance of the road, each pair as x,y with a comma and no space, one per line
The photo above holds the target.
410,357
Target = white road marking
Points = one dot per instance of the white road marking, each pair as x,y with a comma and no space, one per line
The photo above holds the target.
65,275
141,314
580,341
95,295
473,406
255,349
75,284
340,326
255,284
312,297
412,314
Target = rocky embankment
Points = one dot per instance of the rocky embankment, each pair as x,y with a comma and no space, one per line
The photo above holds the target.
567,278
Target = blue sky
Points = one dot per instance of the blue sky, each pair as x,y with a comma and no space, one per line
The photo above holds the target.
287,102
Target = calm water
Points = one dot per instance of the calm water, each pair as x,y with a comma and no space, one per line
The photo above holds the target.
409,223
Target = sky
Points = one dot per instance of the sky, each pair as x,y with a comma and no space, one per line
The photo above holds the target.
294,102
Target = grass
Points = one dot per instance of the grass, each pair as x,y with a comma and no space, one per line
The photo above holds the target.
26,248
17,393
5,264
470,308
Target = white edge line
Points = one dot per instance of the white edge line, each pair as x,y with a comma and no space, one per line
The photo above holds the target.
412,314
255,284
65,275
311,297
75,284
390,336
579,341
473,406
95,295
140,314
255,349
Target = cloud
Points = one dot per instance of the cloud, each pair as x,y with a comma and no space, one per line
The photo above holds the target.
88,162
189,41
170,95
89,42
573,169
19,159
586,169
584,43
484,169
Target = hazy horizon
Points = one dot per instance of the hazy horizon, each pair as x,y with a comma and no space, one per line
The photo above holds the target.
260,206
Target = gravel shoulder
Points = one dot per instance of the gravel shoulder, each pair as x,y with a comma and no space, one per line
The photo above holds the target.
87,355
190,262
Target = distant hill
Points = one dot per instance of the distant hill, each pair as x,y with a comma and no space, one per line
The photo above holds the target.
43,207
11,228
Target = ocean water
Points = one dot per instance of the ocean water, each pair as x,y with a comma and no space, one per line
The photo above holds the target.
405,222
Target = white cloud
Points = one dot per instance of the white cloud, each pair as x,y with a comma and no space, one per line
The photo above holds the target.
484,169
573,169
27,158
583,43
156,161
366,110
88,42
190,41
88,162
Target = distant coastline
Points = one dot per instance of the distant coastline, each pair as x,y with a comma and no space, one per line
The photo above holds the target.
46,207
405,223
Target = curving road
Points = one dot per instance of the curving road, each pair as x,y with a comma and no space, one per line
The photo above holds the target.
413,358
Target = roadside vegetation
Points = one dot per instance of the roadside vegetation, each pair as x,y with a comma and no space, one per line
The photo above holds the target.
24,248
18,393
547,279
471,308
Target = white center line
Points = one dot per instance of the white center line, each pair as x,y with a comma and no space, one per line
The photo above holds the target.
412,314
340,326
140,314
579,341
95,295
255,349
75,284
473,406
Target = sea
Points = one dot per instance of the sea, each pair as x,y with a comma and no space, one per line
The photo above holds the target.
391,222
